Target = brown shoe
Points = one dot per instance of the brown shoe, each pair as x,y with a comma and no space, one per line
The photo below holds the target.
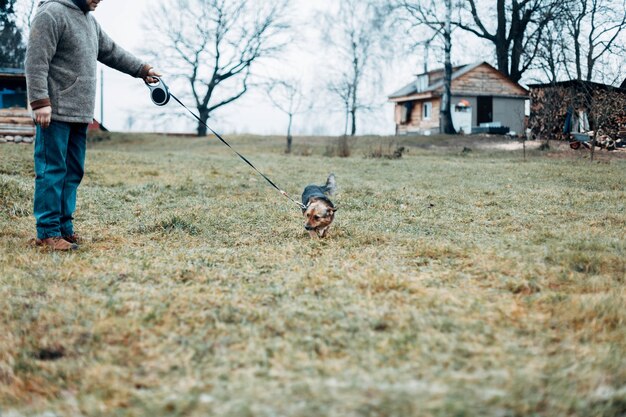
56,243
75,239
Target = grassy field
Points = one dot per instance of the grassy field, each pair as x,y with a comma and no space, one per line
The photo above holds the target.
453,283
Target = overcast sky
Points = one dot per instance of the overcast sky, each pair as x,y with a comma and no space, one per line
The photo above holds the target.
125,22
253,113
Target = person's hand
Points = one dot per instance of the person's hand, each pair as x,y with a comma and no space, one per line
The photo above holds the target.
43,116
150,76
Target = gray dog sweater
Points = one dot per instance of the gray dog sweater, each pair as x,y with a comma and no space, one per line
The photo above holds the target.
64,46
319,191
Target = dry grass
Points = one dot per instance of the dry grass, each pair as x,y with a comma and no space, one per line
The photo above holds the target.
453,284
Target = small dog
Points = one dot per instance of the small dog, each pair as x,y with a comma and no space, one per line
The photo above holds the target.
319,211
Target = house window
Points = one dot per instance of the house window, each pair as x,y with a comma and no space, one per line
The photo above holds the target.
427,110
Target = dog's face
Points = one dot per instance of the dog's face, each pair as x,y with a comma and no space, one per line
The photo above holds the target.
319,215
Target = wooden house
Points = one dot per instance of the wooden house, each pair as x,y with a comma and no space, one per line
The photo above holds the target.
482,98
15,118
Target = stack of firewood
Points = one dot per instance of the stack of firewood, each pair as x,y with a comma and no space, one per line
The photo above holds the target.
16,125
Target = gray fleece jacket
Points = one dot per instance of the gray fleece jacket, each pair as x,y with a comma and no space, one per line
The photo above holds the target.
64,46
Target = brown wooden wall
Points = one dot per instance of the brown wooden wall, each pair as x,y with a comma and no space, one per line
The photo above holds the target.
485,81
415,122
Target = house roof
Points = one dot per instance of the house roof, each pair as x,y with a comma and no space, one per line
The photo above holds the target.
581,83
12,73
432,75
12,70
437,77
96,125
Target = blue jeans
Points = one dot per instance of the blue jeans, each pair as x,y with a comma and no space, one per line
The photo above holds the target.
59,168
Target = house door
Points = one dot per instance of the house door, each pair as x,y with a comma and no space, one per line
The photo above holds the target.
484,109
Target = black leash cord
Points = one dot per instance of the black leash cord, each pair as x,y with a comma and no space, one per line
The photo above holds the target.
302,206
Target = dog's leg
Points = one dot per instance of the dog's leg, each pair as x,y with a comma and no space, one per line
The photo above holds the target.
313,234
322,233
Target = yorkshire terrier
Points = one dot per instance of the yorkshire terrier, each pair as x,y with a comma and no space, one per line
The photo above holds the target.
318,210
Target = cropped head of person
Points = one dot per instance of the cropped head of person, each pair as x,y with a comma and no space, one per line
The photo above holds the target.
87,5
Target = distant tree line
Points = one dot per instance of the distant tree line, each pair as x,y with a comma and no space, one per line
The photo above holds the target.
550,39
544,40
12,48
217,46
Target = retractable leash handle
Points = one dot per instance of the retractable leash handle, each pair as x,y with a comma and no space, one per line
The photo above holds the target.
159,93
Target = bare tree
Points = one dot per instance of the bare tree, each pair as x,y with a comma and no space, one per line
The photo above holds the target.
552,56
353,35
595,27
26,10
427,14
445,114
583,41
519,29
287,96
343,89
12,47
130,122
215,44
573,18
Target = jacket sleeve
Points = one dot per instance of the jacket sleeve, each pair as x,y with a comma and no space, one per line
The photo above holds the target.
42,44
114,56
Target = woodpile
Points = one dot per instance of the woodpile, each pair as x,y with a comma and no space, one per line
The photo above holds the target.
549,104
16,126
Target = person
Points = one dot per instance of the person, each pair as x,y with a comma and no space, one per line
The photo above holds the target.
63,48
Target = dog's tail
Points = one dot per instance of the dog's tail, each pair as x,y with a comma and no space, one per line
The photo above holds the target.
331,185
